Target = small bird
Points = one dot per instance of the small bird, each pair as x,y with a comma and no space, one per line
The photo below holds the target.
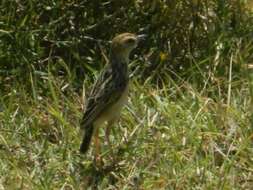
110,91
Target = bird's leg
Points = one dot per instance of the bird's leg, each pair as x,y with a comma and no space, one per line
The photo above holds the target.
97,147
107,136
108,130
107,133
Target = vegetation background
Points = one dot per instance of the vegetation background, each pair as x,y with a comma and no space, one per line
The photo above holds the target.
188,124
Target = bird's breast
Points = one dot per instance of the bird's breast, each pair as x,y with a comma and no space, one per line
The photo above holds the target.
114,110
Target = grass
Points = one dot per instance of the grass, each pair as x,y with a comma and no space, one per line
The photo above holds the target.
188,123
171,137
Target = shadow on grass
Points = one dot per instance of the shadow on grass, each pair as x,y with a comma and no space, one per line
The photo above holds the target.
93,175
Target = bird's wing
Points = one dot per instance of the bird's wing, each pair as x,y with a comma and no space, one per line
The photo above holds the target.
103,94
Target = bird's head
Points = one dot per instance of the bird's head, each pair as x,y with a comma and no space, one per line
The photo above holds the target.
124,43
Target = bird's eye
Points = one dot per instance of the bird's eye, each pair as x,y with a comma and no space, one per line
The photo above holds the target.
130,41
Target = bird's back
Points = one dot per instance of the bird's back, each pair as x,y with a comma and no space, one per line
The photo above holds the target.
109,88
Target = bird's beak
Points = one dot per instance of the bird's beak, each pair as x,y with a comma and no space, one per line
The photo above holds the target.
141,37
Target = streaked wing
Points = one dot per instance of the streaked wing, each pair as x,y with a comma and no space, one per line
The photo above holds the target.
103,94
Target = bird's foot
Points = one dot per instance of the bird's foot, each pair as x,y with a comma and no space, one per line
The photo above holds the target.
98,161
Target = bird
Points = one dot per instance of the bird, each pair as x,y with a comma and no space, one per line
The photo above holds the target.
110,91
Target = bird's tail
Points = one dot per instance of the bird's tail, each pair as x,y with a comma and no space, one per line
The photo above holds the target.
88,131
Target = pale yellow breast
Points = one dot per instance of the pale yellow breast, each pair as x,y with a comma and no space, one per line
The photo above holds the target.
113,111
